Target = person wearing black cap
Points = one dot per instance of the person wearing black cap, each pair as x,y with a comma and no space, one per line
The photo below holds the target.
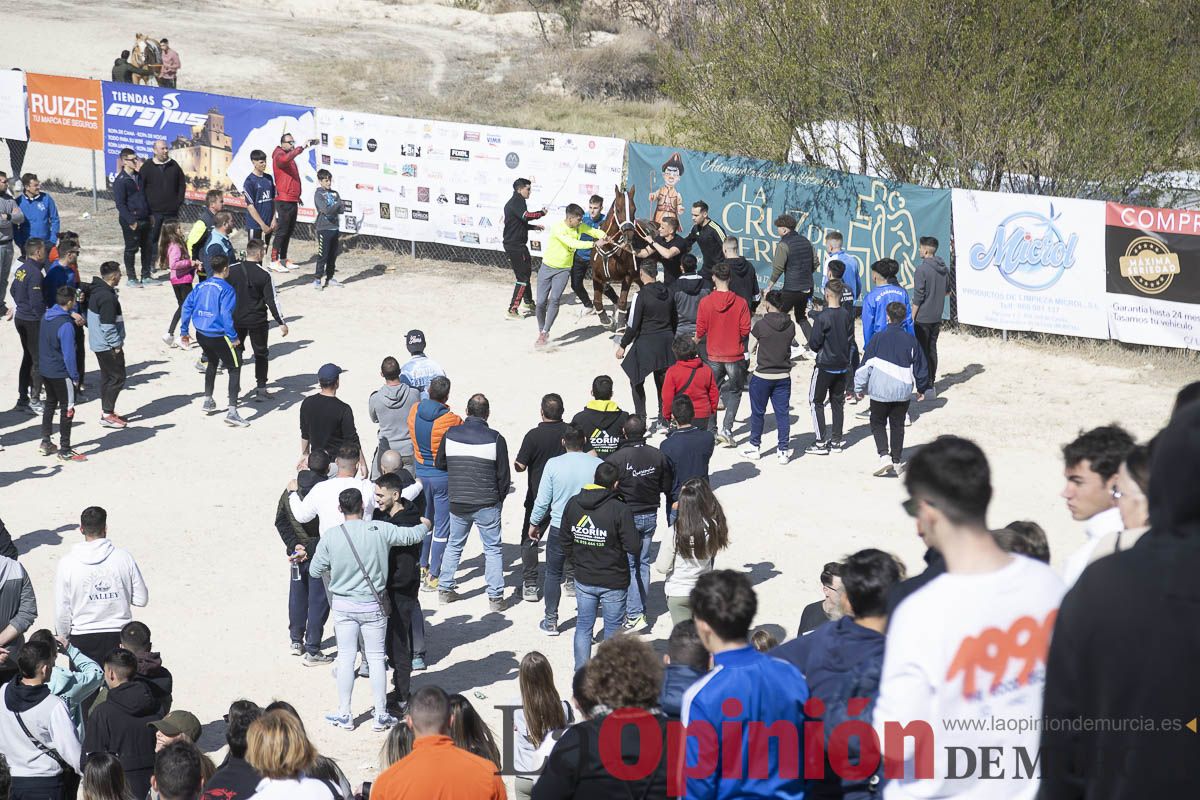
419,370
327,423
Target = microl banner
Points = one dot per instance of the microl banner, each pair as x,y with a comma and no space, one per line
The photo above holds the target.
1153,276
1030,263
211,136
65,111
12,105
436,181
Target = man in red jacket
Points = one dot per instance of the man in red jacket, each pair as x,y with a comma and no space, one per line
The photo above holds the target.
287,194
692,377
723,321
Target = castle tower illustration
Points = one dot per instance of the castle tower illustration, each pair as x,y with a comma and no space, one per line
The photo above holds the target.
207,156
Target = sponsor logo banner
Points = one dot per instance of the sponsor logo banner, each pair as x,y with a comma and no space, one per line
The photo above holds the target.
12,105
1030,263
65,111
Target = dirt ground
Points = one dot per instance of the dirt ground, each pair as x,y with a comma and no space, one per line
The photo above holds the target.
195,500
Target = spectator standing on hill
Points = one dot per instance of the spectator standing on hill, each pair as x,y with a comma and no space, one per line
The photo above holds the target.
123,71
259,191
475,458
795,261
390,406
518,222
327,423
428,422
724,323
287,194
931,282
133,213
255,291
1091,464
165,186
170,65
540,444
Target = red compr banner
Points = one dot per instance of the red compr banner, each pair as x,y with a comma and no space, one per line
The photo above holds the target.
65,111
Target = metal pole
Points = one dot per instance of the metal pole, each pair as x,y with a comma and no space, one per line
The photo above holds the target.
414,248
95,197
1004,334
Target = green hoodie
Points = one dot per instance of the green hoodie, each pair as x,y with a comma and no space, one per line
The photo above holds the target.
372,539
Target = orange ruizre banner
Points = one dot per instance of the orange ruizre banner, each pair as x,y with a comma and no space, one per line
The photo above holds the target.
65,111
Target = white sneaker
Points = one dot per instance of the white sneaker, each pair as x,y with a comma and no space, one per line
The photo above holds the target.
751,452
784,456
898,467
169,340
291,265
277,267
884,467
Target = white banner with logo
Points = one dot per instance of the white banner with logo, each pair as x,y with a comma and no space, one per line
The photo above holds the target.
12,105
1030,263
435,181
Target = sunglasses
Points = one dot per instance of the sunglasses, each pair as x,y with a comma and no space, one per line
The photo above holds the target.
913,504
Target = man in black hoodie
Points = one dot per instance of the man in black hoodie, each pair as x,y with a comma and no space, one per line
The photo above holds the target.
601,420
743,280
308,605
1124,648
121,725
255,291
404,580
832,339
930,284
166,188
652,327
772,377
645,475
135,637
600,538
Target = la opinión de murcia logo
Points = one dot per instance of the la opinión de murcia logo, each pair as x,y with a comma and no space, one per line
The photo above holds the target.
142,110
1028,249
1149,265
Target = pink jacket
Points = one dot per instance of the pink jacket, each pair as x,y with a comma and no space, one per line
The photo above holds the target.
170,64
182,269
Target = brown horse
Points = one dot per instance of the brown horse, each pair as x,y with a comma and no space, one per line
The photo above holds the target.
615,261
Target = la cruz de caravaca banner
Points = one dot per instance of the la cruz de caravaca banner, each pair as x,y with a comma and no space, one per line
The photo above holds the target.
1030,263
1153,275
879,218
447,182
210,135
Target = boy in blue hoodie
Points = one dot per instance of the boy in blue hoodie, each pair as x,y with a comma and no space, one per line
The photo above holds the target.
893,365
887,290
210,305
41,215
60,376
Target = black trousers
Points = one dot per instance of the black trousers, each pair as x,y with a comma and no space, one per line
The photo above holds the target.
927,336
181,290
831,387
221,353
285,216
327,253
112,378
639,394
40,788
156,225
797,303
29,379
522,267
137,241
256,235
884,415
60,394
258,342
95,646
406,614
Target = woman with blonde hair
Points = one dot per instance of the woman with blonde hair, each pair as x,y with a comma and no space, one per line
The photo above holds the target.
103,779
700,533
542,715
279,750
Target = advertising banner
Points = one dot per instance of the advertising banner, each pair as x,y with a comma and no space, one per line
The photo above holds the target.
878,218
65,111
1030,263
210,135
12,105
1153,275
434,181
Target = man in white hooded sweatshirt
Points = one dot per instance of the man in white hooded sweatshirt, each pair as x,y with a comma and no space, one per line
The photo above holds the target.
29,711
95,589
1091,463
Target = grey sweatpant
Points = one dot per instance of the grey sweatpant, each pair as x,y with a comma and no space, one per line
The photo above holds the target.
6,259
550,287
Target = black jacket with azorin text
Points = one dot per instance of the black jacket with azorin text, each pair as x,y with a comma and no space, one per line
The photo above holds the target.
597,536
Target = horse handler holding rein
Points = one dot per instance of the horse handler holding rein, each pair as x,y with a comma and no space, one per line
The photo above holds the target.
518,222
557,259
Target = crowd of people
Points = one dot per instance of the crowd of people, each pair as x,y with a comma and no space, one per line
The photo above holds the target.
985,637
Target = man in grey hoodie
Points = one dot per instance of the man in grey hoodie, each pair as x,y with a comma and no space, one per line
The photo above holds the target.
11,217
931,281
18,610
390,405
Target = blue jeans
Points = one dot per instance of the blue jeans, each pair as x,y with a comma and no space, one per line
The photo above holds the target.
779,392
437,510
611,603
639,565
488,522
308,608
348,628
730,377
555,563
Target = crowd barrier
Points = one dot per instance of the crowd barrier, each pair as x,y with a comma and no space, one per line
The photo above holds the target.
1020,262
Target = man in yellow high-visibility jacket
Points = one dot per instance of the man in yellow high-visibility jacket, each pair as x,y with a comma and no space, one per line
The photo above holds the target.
557,258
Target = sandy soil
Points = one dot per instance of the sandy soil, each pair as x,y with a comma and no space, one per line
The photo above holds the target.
194,500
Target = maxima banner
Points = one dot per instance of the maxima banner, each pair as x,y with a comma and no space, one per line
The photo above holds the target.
1153,259
447,182
878,218
12,105
1030,263
210,135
